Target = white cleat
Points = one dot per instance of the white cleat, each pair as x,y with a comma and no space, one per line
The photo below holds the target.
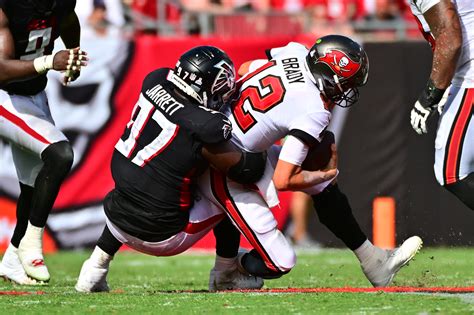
233,280
381,271
92,278
33,263
12,270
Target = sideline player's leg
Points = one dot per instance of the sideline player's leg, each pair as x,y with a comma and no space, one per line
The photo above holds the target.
42,157
454,152
11,268
379,266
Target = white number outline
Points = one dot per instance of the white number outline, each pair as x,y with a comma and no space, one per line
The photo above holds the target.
32,51
146,111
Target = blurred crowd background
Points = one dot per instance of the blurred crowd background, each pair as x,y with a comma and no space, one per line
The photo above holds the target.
386,19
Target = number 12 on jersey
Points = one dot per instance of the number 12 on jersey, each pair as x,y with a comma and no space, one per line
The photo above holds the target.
141,114
258,102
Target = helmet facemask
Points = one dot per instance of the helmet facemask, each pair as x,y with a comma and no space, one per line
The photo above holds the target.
338,66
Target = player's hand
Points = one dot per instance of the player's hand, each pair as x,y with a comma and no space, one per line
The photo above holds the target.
71,61
419,117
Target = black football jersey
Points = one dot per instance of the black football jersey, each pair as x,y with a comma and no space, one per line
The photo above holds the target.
157,159
33,36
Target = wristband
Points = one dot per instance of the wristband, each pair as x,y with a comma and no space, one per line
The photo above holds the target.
430,95
43,64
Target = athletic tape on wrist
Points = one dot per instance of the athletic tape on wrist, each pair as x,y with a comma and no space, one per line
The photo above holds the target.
43,64
431,95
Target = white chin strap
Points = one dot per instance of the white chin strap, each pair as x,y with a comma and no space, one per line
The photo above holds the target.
183,86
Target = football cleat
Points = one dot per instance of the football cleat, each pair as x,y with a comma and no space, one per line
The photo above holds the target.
233,280
12,270
381,271
92,278
30,254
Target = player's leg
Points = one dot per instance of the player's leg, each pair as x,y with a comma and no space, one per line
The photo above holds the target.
93,275
379,266
454,152
273,256
10,267
225,275
42,158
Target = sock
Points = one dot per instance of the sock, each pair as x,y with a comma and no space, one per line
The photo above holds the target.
227,239
367,252
100,258
108,243
33,238
223,264
23,207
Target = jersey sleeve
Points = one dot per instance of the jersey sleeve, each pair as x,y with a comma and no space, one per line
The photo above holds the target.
425,5
309,128
272,53
215,130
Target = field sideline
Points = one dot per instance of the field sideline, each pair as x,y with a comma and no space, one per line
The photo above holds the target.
165,285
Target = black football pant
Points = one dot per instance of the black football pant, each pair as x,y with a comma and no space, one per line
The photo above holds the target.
464,190
35,203
334,211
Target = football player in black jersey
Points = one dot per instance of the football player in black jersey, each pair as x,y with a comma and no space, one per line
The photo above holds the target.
175,131
42,154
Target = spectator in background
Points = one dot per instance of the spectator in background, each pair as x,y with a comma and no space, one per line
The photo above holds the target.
297,231
331,16
114,14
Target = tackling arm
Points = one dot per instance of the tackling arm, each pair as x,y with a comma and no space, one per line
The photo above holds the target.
242,167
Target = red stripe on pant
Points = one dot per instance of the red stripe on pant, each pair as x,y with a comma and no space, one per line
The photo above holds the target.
197,227
455,142
218,183
22,125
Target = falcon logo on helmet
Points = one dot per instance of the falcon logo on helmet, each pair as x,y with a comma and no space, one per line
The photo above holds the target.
340,63
225,77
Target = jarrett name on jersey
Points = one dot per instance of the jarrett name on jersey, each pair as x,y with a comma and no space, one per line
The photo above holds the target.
33,36
157,159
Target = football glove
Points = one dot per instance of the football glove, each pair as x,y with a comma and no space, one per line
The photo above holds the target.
424,107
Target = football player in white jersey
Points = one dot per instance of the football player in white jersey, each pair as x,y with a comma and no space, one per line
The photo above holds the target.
292,94
449,27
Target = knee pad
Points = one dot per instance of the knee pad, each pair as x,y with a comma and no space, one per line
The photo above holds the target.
278,250
59,157
464,190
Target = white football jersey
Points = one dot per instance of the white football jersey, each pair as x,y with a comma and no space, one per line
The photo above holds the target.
278,99
465,68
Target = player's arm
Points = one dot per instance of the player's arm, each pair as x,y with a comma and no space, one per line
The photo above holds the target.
17,70
70,32
242,167
11,70
289,174
444,24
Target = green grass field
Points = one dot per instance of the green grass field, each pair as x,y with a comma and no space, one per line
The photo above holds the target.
176,285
